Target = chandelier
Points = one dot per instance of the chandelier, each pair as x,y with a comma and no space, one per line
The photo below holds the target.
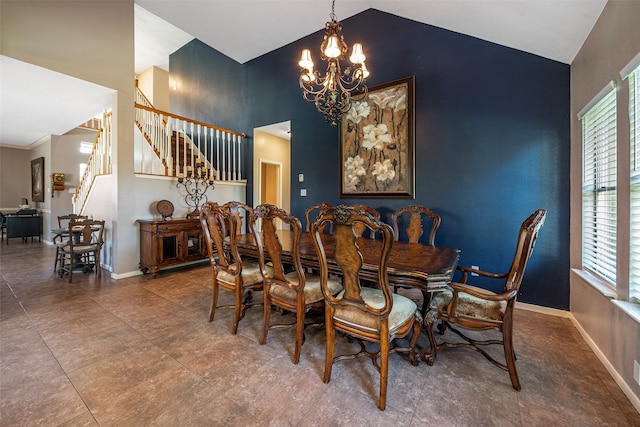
334,92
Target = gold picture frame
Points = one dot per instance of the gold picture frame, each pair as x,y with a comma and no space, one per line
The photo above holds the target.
377,143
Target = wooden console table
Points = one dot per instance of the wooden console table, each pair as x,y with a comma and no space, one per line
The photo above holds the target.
166,243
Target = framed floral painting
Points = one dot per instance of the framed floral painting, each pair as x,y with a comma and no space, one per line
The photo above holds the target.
377,143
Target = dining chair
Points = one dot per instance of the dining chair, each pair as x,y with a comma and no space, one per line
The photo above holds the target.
360,228
413,216
59,238
365,313
220,225
476,309
63,223
292,291
310,211
83,247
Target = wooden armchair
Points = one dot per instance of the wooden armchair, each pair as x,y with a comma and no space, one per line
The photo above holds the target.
474,308
414,227
83,248
229,270
370,314
294,291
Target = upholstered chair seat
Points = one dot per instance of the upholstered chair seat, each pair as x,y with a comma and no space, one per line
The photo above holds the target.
470,306
403,310
312,290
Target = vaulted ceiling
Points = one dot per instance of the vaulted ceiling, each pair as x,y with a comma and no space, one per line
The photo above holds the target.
246,29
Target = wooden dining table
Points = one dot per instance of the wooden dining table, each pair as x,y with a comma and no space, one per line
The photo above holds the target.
410,265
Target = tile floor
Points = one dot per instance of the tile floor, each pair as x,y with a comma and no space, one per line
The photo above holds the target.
139,351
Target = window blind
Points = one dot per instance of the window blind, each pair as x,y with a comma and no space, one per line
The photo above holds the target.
634,250
599,193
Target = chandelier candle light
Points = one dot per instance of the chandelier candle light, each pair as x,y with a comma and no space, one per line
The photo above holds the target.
334,92
196,184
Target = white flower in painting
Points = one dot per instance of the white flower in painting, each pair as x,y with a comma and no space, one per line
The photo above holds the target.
353,169
400,103
384,171
375,136
383,99
358,111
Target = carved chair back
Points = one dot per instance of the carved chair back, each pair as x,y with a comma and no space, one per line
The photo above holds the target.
346,220
310,216
413,215
360,227
270,247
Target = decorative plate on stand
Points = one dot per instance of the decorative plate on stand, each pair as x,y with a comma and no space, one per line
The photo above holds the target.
165,208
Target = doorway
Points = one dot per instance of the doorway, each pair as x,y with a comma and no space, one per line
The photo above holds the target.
272,165
270,182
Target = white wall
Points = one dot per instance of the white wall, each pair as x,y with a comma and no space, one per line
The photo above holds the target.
93,41
15,178
615,335
150,190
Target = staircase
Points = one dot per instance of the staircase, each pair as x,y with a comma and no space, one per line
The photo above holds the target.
170,144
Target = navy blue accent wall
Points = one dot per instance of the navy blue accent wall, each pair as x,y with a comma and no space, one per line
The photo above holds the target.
492,135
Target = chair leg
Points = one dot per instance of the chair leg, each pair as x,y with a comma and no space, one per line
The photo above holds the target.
509,352
62,261
384,369
417,328
266,316
96,263
330,344
55,262
214,298
237,309
430,320
299,333
71,261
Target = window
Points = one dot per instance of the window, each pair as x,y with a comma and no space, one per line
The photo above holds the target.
634,120
599,193
86,147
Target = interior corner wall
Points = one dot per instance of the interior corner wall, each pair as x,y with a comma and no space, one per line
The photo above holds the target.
611,45
93,41
16,182
154,84
491,123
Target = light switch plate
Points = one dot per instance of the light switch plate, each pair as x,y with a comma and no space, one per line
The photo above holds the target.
303,192
300,177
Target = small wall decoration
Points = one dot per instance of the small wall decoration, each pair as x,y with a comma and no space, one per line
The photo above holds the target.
57,180
377,143
37,180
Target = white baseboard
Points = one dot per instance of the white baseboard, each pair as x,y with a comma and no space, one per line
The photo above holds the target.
543,310
635,400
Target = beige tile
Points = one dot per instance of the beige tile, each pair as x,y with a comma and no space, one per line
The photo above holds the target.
140,351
